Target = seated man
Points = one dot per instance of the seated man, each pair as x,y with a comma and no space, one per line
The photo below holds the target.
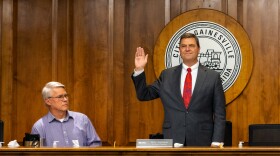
61,125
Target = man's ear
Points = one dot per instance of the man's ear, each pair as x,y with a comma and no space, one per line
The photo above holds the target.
47,101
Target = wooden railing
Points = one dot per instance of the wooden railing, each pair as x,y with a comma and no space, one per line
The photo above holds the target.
109,150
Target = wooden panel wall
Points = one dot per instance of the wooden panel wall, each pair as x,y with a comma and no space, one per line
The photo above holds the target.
89,46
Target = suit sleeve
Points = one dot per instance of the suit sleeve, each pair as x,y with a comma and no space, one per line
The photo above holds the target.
219,112
145,92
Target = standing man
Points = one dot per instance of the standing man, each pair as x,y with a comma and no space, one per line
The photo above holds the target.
66,128
192,97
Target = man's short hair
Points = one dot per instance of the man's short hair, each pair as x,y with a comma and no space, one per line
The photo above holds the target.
190,35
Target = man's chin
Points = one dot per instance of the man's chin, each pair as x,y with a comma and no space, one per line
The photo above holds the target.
65,108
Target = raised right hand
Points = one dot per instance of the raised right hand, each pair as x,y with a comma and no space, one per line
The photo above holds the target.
140,59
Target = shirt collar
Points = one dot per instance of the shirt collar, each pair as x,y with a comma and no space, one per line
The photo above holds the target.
69,114
195,66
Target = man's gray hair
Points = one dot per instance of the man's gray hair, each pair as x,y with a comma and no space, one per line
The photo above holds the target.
46,91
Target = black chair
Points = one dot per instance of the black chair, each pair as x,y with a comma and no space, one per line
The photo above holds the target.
1,131
156,136
228,134
264,135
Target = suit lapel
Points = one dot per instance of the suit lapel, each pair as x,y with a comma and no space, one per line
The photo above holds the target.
177,82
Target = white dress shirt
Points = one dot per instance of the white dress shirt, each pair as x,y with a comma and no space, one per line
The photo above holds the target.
184,73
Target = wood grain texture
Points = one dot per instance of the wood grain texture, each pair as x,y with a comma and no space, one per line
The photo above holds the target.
143,28
7,63
89,46
91,64
33,62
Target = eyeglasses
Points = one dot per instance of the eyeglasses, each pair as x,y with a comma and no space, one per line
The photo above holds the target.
61,97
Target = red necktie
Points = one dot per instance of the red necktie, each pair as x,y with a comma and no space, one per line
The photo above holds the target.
187,93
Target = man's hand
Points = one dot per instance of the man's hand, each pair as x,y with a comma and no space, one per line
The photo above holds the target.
217,144
140,59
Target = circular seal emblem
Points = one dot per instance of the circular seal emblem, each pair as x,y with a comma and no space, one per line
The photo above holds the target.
224,47
219,51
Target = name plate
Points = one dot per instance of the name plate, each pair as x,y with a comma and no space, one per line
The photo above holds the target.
154,143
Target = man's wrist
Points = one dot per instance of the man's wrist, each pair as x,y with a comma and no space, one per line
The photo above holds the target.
137,72
138,69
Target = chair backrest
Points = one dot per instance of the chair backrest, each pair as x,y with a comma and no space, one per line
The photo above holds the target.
1,131
264,135
228,134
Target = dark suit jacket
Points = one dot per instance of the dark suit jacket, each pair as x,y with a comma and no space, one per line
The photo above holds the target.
204,120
